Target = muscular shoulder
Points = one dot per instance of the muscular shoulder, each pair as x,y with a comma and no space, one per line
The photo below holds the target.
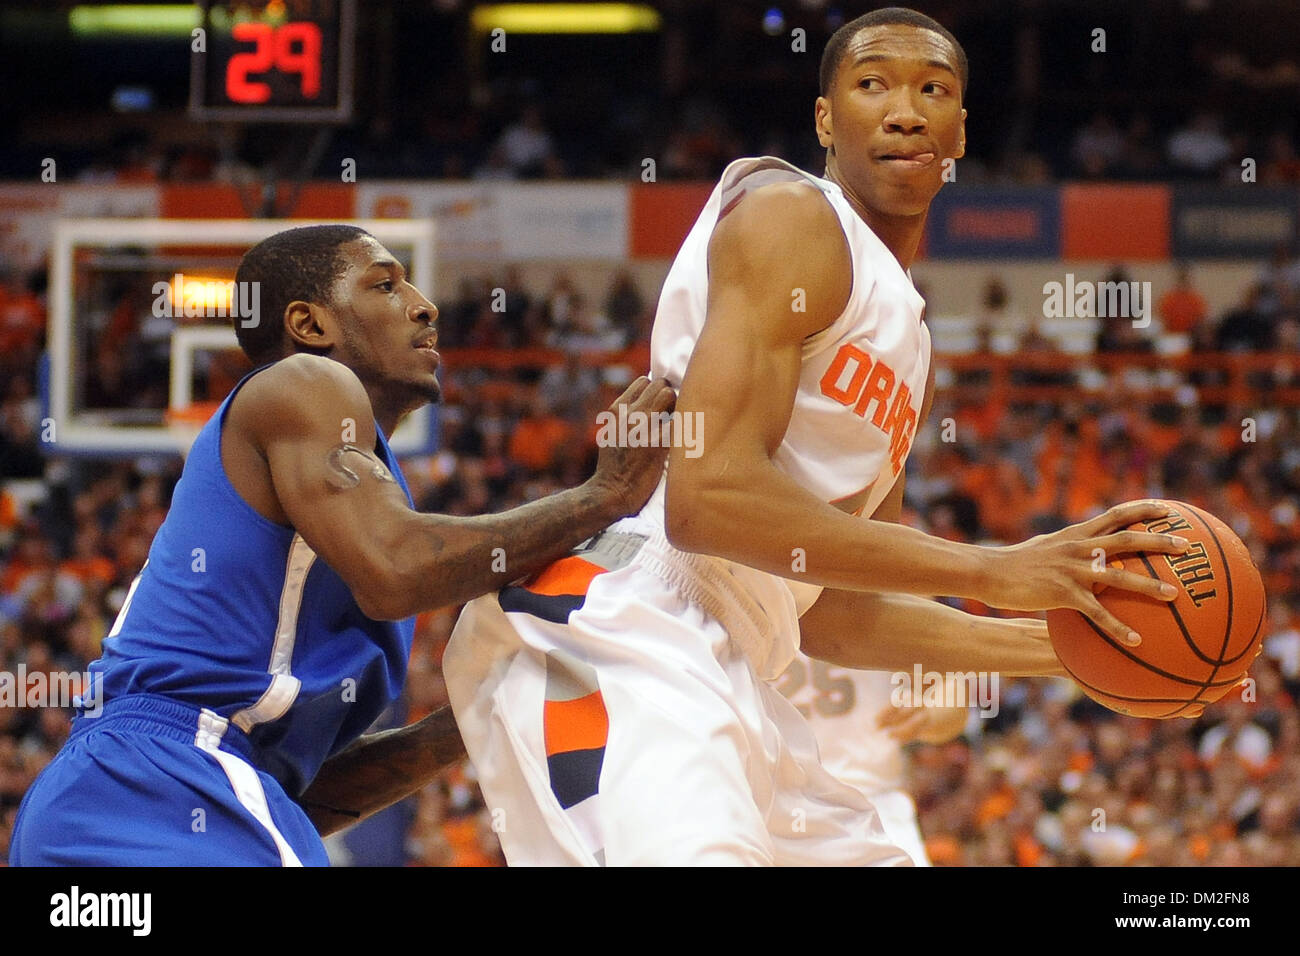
298,393
785,244
782,219
303,372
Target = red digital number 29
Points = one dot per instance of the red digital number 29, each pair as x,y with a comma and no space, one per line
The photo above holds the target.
274,49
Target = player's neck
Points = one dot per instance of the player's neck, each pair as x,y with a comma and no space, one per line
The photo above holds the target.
389,411
386,421
900,234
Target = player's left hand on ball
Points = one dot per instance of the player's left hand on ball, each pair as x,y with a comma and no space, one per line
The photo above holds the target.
1061,569
628,472
927,725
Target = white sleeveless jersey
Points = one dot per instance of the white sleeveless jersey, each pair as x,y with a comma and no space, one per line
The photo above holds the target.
860,388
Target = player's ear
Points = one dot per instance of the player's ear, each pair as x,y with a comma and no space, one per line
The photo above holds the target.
308,325
961,137
822,120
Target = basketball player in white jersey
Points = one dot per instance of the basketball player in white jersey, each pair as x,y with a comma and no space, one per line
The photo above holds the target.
616,705
861,735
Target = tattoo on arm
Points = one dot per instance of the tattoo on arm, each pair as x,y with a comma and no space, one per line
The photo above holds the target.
341,461
450,560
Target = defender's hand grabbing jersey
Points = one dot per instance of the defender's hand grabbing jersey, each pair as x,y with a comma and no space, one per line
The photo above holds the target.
237,665
615,705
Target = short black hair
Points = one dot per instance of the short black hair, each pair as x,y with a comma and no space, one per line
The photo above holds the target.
297,264
884,17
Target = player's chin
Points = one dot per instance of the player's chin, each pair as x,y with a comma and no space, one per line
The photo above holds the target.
906,199
422,388
424,381
431,391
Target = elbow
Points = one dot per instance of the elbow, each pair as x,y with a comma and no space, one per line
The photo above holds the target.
678,531
686,513
709,501
811,643
379,606
381,596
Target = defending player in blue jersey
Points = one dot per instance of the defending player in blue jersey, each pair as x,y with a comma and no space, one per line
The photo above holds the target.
273,619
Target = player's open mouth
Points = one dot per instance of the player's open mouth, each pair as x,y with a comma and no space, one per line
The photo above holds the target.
908,161
428,344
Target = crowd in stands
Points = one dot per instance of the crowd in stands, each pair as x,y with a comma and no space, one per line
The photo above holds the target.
1176,91
524,148
1265,319
1027,787
1054,779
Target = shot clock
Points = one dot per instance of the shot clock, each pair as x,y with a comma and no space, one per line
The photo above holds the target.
274,62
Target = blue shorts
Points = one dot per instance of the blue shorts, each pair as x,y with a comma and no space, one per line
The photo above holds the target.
153,782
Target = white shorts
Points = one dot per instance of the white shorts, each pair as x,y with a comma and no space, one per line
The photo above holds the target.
898,816
613,722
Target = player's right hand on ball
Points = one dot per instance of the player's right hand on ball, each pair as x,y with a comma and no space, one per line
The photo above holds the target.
629,474
1066,568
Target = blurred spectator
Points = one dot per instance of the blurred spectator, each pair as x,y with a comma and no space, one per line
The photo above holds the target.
998,324
570,386
1282,164
456,317
20,424
487,330
559,301
191,164
624,303
1033,342
517,303
130,158
22,316
87,562
1199,148
541,438
1246,328
526,148
1283,645
1280,278
1097,147
1118,332
586,330
1181,308
701,143
496,166
1140,155
1239,736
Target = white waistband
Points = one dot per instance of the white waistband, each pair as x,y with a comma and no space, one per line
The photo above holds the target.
708,583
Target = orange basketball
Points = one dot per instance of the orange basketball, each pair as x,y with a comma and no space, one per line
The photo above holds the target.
1195,648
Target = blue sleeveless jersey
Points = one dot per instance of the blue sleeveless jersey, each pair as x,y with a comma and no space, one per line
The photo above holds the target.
236,614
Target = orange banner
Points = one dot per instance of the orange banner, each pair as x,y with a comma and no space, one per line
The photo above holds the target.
660,216
1115,222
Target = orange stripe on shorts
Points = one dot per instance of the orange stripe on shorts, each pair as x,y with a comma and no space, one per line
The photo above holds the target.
571,575
580,724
